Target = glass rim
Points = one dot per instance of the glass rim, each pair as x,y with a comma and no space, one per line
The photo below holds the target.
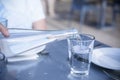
3,56
2,19
87,35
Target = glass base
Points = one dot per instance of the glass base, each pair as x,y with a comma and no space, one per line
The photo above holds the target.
76,76
79,73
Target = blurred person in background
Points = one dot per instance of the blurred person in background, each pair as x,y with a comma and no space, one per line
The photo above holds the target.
26,14
49,7
115,10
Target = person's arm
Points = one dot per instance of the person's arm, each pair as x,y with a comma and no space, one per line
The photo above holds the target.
39,25
4,31
38,16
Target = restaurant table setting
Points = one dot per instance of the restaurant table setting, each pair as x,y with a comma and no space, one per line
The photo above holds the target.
49,56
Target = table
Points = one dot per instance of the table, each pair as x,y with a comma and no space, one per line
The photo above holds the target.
52,66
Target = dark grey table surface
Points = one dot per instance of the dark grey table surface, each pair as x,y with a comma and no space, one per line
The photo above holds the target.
52,66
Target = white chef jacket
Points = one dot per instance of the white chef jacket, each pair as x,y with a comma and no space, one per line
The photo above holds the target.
21,13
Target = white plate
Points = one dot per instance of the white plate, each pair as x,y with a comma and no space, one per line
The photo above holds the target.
22,65
107,57
29,55
33,51
23,58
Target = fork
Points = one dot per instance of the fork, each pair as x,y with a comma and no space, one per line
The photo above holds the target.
112,74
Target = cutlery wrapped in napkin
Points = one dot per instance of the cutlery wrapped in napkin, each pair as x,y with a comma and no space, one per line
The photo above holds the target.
24,40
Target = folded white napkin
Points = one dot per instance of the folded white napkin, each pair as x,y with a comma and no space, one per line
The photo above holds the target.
19,43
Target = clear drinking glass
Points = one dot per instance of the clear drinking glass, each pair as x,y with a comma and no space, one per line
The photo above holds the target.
3,59
3,21
80,49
